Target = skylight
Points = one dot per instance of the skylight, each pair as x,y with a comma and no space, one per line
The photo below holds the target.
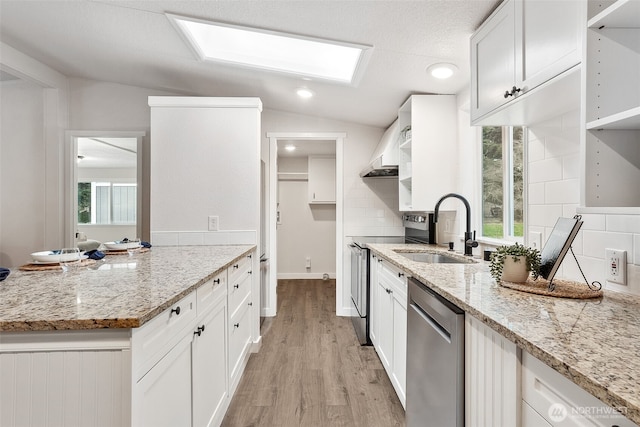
273,51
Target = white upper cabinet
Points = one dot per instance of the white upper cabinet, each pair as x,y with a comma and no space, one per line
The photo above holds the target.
427,151
322,179
523,46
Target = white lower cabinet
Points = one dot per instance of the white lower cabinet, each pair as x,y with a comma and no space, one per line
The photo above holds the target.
506,386
560,402
389,307
163,396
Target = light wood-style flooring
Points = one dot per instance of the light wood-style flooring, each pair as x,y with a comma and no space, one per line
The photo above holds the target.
311,370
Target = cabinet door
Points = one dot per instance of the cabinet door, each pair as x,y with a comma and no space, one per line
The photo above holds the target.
374,298
547,39
400,346
493,61
209,361
385,316
163,395
322,180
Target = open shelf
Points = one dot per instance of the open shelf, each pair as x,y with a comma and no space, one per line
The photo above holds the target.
629,119
621,14
406,145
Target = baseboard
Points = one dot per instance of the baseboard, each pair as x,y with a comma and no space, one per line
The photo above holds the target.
305,275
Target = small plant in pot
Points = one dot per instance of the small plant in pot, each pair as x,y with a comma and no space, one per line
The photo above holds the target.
515,263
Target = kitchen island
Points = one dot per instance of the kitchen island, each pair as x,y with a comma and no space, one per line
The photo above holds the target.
593,343
116,342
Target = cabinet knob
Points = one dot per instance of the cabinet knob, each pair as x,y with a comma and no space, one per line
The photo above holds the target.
250,304
236,285
389,291
513,92
236,325
400,274
236,266
199,331
249,256
176,310
250,272
216,281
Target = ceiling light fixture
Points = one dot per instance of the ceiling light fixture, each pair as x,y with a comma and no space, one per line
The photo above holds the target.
442,70
305,93
290,147
274,51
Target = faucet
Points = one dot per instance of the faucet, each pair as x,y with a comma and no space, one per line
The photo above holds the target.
469,237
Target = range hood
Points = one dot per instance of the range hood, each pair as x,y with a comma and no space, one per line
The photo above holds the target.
385,157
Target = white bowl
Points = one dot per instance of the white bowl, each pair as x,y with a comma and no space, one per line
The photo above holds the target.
51,257
120,246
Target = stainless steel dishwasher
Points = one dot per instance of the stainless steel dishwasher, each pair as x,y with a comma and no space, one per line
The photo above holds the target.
435,360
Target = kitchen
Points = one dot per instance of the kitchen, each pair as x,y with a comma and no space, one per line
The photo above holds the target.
555,175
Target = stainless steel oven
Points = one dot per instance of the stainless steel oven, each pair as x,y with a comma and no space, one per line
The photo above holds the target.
360,283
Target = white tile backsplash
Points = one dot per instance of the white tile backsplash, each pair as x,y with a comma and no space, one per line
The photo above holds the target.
554,191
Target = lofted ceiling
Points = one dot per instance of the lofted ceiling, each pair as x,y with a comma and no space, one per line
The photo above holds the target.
133,43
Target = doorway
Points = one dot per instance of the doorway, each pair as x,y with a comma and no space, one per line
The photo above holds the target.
320,144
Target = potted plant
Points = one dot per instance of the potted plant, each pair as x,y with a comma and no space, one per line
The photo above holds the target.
515,263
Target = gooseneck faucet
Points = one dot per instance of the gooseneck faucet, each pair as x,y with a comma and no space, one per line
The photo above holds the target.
469,237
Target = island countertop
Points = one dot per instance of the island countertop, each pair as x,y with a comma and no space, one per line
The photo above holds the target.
116,292
595,342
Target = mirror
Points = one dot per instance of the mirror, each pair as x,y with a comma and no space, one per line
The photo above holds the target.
105,192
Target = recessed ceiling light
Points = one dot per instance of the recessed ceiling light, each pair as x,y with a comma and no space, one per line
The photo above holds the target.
305,93
270,50
290,147
442,70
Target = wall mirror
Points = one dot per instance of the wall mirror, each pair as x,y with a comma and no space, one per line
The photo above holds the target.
105,194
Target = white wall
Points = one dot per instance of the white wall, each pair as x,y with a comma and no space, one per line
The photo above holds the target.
554,191
305,230
22,172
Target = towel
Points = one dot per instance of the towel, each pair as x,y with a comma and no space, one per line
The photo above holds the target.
95,254
4,273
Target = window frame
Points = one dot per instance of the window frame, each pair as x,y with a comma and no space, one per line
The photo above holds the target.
508,205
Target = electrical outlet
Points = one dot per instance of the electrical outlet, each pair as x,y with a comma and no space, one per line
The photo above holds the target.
535,240
308,262
213,222
615,262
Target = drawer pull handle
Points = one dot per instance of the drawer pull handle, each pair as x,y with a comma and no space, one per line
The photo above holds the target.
236,285
236,325
176,311
216,281
199,331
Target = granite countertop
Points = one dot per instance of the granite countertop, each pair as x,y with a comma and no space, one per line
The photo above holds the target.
595,343
116,292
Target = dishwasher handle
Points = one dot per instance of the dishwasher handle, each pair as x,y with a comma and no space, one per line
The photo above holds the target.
446,335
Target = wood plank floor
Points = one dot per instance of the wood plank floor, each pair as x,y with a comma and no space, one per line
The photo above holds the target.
311,370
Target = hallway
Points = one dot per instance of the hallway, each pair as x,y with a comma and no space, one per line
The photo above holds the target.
311,370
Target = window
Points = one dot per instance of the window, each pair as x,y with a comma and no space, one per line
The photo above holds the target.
106,203
502,182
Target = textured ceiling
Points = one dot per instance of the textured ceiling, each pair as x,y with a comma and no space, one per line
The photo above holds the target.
133,43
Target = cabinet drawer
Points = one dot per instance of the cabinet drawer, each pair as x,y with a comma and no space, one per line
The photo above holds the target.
560,401
239,269
211,292
239,335
154,339
239,289
393,278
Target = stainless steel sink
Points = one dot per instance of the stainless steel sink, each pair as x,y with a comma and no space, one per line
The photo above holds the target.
433,258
